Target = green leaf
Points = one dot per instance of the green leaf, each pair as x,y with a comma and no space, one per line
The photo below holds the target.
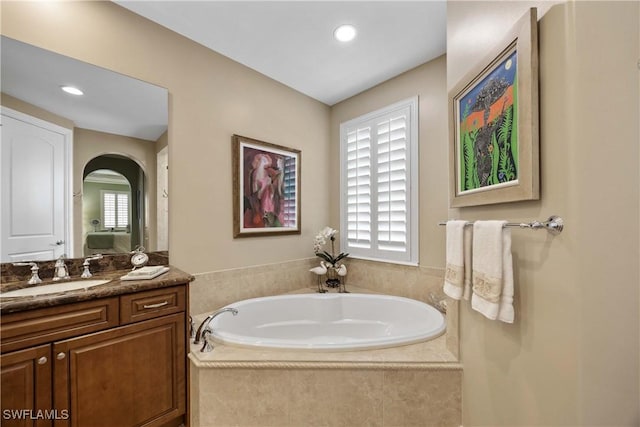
325,257
469,162
341,256
505,127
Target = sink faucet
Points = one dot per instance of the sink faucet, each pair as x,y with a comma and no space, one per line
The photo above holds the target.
35,279
205,322
85,272
61,271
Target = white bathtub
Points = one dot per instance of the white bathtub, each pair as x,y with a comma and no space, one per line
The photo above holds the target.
332,322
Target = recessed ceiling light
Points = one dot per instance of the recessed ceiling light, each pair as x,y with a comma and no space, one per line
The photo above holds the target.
345,33
72,90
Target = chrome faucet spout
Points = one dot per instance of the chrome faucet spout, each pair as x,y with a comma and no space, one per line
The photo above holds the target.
205,322
85,272
35,279
61,271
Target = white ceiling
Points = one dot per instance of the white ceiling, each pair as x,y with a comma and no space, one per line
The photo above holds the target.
292,41
112,102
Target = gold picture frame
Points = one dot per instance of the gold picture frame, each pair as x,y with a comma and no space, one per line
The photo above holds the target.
266,188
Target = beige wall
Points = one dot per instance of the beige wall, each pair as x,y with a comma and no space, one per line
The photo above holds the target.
428,81
32,110
162,142
89,144
572,356
210,98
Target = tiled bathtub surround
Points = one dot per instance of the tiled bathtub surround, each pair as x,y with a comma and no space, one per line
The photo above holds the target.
413,385
330,396
216,289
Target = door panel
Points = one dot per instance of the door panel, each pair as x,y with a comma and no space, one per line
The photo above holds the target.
140,380
33,191
26,387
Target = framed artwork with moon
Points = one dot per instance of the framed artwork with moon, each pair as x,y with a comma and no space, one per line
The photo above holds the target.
494,123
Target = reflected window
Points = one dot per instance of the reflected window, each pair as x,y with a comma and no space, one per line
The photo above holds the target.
106,202
115,209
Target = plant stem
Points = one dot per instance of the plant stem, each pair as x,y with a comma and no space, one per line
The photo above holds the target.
333,252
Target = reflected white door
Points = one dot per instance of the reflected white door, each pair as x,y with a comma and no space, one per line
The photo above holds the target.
163,199
34,188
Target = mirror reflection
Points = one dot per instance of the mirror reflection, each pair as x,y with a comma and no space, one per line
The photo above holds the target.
106,213
81,173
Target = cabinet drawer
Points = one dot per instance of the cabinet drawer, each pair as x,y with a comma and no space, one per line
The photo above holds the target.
33,327
150,304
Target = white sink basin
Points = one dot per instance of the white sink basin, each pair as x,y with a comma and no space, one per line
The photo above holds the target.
53,288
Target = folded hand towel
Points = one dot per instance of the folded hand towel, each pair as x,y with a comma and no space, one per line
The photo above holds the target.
492,271
468,238
455,253
506,312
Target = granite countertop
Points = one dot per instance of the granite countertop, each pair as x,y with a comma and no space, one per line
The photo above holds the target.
115,287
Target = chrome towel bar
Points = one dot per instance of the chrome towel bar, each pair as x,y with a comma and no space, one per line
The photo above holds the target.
554,224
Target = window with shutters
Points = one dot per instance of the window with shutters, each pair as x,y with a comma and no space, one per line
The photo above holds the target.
379,184
115,209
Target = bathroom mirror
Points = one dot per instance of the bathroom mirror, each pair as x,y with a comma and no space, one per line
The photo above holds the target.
66,159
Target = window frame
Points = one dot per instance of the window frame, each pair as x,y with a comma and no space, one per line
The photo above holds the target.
411,256
102,211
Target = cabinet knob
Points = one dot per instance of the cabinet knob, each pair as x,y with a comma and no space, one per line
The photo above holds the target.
42,360
60,356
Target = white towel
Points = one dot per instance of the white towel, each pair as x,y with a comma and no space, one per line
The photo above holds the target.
492,271
506,312
468,238
454,277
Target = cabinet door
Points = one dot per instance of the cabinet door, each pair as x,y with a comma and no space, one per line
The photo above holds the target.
26,387
128,376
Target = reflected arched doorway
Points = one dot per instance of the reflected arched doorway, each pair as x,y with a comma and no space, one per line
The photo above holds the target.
112,205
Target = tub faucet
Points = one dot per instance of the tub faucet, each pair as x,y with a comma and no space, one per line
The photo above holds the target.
206,345
205,322
192,328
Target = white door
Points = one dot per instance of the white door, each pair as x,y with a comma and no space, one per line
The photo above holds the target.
34,188
163,200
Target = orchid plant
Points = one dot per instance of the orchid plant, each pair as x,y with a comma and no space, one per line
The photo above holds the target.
320,240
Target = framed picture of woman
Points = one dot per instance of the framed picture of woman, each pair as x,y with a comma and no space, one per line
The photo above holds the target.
266,188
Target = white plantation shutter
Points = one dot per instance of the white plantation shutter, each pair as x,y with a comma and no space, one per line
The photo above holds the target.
358,171
115,209
122,210
392,183
379,184
109,210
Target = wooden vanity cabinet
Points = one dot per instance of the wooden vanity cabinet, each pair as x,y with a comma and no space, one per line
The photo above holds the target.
26,385
133,374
